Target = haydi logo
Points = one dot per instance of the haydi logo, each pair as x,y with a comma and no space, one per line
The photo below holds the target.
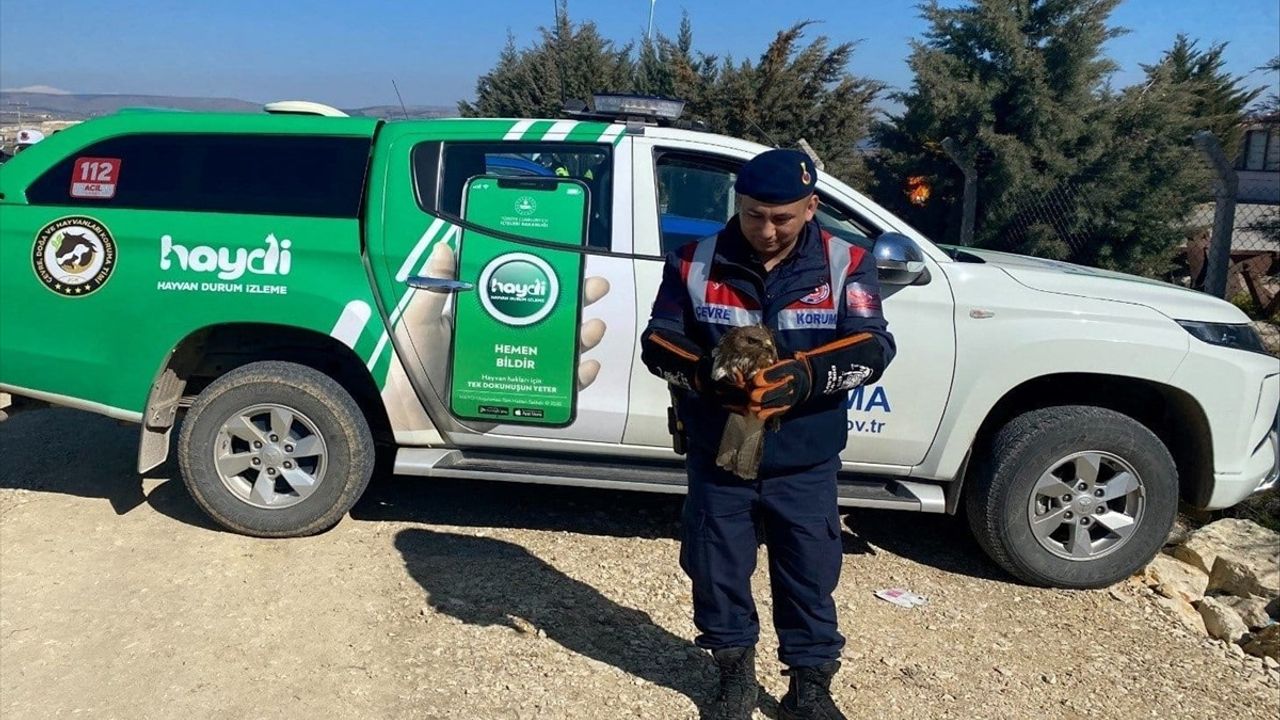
515,290
518,289
274,259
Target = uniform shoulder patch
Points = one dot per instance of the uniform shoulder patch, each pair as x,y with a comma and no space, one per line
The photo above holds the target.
861,300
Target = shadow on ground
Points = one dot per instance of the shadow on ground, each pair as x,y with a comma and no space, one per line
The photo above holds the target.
84,455
939,541
473,579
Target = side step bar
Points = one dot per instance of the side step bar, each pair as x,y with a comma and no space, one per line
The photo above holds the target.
862,491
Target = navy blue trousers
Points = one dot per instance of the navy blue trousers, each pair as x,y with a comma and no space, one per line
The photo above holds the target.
796,509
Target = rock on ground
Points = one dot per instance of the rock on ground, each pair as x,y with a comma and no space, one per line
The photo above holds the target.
1265,643
1256,573
1185,612
1253,610
1173,578
1221,621
1180,531
1241,540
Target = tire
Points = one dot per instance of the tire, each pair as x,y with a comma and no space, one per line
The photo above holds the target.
1020,458
330,436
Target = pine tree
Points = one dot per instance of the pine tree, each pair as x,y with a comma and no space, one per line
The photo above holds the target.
1270,105
794,91
504,91
808,91
1143,184
567,62
1016,83
1218,100
1067,167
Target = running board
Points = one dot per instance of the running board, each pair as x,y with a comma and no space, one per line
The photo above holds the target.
861,491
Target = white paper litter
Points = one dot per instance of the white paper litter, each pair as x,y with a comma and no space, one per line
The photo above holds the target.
902,598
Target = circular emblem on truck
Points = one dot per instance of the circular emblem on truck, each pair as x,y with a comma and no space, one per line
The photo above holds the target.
74,256
518,289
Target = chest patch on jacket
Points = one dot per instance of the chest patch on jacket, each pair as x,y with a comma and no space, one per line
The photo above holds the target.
819,296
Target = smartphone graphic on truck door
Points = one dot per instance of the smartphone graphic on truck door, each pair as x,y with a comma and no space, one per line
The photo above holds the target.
515,336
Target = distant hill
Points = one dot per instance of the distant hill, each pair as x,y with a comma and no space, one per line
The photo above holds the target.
415,112
72,106
82,107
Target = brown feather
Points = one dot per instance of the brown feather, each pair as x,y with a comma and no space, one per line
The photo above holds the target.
746,350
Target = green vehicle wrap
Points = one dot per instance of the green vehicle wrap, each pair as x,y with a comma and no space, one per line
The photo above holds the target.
402,234
114,340
161,275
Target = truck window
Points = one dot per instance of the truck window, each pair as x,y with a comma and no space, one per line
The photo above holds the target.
223,173
843,224
590,163
696,199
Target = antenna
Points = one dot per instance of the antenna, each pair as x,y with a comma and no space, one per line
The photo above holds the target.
760,130
403,109
560,55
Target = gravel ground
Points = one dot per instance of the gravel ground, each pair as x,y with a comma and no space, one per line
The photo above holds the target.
471,600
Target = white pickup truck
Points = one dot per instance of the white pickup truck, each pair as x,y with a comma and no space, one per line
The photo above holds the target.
1068,410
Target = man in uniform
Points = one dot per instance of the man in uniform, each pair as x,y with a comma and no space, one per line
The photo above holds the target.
771,265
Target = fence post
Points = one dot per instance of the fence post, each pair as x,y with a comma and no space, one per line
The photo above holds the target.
1224,214
965,164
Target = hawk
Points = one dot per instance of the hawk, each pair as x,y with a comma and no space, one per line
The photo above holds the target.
741,353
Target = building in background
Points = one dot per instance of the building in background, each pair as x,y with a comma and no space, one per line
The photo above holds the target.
1259,163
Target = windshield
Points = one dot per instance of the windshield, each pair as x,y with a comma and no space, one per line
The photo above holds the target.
885,220
843,225
960,254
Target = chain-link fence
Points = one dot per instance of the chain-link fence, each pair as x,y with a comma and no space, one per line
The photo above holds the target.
1238,256
1056,221
1232,236
1257,226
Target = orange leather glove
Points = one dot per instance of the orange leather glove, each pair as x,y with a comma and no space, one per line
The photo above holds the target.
780,387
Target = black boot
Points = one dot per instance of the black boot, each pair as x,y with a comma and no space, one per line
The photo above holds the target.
809,696
738,687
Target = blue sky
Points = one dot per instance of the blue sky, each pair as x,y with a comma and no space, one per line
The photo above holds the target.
346,53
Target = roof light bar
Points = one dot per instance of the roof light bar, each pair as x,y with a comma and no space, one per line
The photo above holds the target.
639,105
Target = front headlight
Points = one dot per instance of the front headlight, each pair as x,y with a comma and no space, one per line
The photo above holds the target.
1240,337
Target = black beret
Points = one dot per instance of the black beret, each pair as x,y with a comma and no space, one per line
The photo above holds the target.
777,177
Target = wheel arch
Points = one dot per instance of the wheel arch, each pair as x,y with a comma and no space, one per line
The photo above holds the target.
1169,412
206,354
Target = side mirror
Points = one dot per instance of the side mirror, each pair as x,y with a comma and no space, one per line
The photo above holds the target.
899,260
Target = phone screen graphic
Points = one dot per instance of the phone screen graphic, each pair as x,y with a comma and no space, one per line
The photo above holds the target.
515,335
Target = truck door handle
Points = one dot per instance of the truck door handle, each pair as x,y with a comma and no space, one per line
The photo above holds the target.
440,285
